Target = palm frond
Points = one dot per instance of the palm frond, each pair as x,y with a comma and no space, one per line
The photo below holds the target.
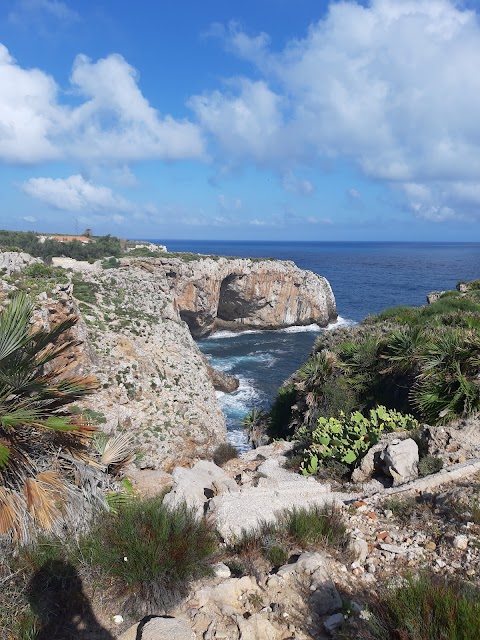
117,450
14,325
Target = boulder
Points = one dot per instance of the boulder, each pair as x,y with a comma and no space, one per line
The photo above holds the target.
149,482
160,628
257,627
371,462
453,443
12,261
220,380
196,486
333,623
400,460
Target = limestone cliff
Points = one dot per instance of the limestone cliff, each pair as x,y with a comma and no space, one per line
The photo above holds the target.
236,294
154,381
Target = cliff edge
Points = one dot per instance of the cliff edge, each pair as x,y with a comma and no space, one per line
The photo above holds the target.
214,293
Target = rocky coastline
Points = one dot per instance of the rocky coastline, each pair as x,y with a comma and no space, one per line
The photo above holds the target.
136,334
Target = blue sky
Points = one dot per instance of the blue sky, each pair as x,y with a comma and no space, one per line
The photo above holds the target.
219,119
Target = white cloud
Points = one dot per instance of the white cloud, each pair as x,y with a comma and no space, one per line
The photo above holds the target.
353,193
26,11
245,125
297,185
392,87
77,195
113,123
28,218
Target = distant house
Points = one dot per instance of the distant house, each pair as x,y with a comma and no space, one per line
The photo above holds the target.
58,238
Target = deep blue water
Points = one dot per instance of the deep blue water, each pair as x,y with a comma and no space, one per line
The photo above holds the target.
366,277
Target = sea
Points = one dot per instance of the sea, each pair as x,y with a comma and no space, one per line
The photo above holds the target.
366,277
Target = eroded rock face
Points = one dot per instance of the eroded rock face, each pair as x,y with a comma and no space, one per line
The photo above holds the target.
243,293
11,261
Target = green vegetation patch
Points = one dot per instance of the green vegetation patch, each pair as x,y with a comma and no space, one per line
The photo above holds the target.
426,607
38,277
152,550
312,528
348,438
85,290
29,242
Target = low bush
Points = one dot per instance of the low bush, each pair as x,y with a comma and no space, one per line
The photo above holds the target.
223,453
429,464
39,277
152,551
427,607
110,263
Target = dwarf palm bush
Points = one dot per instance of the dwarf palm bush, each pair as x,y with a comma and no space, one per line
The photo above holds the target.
40,441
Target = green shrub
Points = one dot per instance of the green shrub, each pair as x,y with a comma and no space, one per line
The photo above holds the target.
153,551
38,277
281,413
223,453
143,252
110,263
429,464
402,508
347,439
425,607
84,290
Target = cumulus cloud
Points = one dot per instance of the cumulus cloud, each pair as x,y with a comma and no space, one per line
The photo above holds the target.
75,194
392,87
114,122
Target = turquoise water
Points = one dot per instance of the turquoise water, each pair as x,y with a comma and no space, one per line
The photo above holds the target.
365,278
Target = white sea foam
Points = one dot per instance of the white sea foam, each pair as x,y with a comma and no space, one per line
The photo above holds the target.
219,335
341,322
301,328
235,405
227,364
238,438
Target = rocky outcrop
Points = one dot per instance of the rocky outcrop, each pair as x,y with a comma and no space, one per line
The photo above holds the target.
220,380
153,379
12,261
236,294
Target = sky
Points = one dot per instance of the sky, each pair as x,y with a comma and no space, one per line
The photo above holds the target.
241,120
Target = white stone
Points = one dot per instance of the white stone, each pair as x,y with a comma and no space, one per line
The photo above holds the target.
460,542
193,485
400,460
221,570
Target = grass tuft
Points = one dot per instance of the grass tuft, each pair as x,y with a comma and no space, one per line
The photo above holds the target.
312,528
426,607
153,551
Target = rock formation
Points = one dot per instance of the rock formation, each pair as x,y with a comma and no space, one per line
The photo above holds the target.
236,294
154,381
